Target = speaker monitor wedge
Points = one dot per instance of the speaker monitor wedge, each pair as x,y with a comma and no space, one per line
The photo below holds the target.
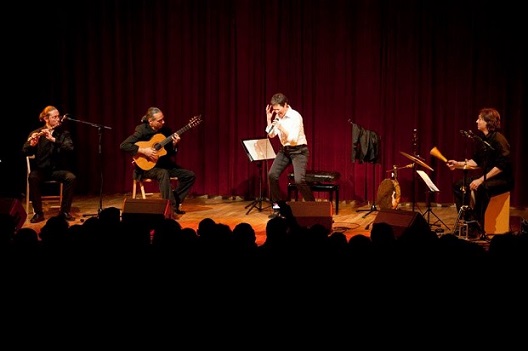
309,213
400,220
145,210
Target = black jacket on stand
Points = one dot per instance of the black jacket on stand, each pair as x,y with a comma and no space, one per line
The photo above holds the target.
365,145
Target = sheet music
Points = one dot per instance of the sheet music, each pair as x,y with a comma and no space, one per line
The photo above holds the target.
427,180
259,149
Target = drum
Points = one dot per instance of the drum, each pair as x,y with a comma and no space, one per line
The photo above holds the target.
388,194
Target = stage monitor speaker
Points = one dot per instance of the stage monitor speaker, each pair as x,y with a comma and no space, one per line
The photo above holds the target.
400,220
12,210
146,211
309,213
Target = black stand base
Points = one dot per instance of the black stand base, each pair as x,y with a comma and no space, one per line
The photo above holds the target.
260,199
428,212
258,205
372,209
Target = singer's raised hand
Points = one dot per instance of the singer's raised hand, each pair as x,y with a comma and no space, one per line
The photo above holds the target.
269,112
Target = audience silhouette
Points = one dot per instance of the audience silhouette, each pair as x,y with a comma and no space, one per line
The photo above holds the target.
106,247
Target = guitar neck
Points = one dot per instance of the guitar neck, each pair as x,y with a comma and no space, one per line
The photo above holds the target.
193,122
169,138
183,130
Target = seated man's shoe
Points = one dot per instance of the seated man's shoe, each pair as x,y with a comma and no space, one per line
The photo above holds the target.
37,217
67,216
179,211
178,207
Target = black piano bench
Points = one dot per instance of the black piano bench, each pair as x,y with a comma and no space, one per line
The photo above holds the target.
318,181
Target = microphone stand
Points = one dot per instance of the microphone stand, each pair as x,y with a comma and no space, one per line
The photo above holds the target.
100,129
484,142
486,146
482,213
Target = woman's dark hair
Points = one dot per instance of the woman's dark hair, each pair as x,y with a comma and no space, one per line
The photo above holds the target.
491,117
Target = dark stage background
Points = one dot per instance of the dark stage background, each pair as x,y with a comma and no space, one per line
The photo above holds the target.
414,72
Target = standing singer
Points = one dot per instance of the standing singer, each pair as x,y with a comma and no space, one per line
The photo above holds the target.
288,126
52,147
492,155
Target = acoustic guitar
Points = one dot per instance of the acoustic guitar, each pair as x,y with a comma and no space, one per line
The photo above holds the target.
158,141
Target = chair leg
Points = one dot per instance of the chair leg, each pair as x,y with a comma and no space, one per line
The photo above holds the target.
27,200
134,182
142,187
61,188
337,200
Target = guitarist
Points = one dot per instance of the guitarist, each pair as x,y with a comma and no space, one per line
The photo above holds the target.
141,147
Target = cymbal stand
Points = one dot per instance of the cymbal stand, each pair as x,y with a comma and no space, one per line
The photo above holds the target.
415,153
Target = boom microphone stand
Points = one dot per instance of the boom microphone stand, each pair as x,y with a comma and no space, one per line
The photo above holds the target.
100,129
486,147
465,210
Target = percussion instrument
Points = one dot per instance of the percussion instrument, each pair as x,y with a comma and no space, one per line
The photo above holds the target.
389,194
436,153
416,160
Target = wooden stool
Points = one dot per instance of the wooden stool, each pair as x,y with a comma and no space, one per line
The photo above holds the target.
141,184
497,216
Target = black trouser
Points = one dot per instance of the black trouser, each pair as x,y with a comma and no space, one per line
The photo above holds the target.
298,157
186,179
36,179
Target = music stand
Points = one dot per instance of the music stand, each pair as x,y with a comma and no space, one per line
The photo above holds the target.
432,189
258,150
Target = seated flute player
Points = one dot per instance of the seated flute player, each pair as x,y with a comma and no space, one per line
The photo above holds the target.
52,147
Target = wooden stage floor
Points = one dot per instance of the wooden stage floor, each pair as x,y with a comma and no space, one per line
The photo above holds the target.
233,211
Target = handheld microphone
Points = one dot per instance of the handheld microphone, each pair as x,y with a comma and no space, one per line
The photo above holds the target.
270,128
